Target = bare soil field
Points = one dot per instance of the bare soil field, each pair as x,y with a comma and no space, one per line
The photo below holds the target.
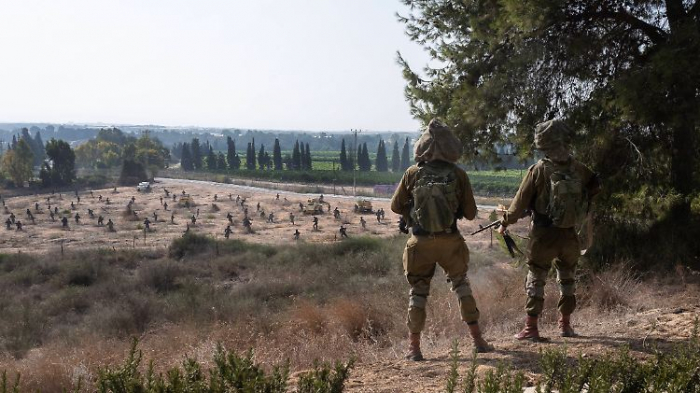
212,202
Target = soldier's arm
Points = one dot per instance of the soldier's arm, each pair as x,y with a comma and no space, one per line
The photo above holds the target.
400,202
467,202
522,199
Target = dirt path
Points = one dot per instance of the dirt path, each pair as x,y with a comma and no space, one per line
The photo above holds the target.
642,332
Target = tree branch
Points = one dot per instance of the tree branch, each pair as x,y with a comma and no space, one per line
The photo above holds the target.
655,33
675,12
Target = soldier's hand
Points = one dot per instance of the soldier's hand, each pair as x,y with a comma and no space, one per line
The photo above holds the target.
502,229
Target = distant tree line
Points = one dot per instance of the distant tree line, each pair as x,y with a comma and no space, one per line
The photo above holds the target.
399,161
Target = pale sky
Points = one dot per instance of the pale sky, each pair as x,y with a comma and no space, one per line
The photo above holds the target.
263,64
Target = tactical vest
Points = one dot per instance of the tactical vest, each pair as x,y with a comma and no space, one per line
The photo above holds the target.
566,202
435,201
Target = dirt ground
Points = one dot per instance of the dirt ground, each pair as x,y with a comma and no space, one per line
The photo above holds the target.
212,203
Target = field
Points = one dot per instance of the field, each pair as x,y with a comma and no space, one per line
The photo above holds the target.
68,314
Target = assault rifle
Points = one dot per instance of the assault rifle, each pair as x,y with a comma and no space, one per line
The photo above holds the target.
510,243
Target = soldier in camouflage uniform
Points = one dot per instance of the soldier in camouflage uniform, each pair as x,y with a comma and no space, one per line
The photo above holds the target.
437,147
551,240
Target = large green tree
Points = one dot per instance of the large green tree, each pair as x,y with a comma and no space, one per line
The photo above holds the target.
18,163
59,170
625,74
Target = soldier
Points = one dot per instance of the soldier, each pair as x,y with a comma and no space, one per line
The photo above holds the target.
110,225
30,215
183,193
165,206
19,225
258,207
315,223
301,207
271,218
198,213
230,197
77,218
194,220
379,216
100,221
8,223
291,218
36,206
72,205
64,221
155,217
296,234
53,217
247,224
107,201
336,213
227,231
381,212
556,189
230,217
55,209
277,198
172,218
78,197
320,199
238,199
245,212
262,214
91,213
92,195
146,225
216,197
363,222
435,237
12,217
174,198
343,232
133,199
167,193
161,201
99,198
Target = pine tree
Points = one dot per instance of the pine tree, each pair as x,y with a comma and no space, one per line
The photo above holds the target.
196,154
395,158
344,164
363,160
405,156
40,148
252,154
186,158
296,157
277,155
308,158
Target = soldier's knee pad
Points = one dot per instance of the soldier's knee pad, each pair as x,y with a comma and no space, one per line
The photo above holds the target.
567,287
417,301
463,289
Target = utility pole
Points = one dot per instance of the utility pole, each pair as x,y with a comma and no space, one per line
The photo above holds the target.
354,162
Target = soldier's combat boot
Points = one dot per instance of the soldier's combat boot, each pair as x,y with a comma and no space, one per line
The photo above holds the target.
530,331
565,329
414,352
480,345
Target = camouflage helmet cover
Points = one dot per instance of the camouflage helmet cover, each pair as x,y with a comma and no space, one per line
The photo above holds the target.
551,135
438,142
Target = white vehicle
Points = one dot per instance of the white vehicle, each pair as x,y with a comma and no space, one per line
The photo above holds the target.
144,186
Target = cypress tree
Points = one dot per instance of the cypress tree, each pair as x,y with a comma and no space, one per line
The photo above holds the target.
405,156
344,164
308,158
211,160
363,158
230,151
221,161
302,157
196,154
261,157
296,157
381,163
252,153
277,155
395,158
186,158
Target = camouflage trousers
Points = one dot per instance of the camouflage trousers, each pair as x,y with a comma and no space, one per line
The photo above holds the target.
420,258
547,246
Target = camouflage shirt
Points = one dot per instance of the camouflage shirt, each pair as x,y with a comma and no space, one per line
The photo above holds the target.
401,201
533,194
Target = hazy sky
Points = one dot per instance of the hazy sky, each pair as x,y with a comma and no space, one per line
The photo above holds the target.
278,64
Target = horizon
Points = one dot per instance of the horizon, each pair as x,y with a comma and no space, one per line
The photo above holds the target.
217,64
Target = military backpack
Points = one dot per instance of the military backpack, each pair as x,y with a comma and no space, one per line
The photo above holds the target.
566,205
435,200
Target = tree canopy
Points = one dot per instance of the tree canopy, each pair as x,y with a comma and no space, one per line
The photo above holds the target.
624,74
